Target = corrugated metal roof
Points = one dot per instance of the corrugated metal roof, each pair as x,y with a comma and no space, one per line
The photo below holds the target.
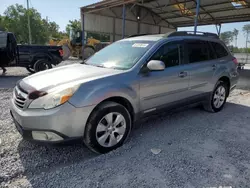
179,13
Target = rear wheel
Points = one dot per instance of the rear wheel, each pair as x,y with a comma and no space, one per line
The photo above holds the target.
217,99
107,128
41,65
30,69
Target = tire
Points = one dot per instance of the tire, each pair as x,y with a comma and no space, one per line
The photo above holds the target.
66,51
30,69
88,52
41,65
98,134
210,104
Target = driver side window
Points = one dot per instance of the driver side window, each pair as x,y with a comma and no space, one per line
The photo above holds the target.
169,53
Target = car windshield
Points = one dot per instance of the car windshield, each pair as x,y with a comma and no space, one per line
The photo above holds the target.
120,55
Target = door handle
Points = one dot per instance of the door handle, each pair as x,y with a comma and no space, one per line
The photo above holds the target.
183,74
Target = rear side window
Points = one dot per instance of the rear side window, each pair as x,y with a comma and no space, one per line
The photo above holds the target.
197,51
219,50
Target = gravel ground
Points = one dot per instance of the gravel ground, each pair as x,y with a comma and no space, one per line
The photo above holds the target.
194,149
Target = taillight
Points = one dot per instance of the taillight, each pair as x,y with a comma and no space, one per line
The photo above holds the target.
235,61
61,52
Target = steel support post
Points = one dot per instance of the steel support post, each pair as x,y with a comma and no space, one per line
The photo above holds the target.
123,20
197,15
218,28
83,34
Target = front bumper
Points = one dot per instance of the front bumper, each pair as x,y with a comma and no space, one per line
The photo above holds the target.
66,121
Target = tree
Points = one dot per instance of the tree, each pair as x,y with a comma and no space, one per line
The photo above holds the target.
15,20
74,25
246,30
236,33
227,37
2,25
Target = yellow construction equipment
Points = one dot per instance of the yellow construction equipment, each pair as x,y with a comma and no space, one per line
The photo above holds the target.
72,46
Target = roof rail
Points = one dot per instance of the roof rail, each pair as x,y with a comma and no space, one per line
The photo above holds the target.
191,33
143,34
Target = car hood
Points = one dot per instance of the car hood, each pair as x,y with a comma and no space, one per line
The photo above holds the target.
46,80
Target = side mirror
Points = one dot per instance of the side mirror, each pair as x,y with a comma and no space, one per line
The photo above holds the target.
156,65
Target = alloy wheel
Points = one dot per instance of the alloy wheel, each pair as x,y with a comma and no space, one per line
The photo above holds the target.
219,97
111,129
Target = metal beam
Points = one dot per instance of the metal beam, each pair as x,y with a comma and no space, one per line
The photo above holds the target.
218,29
194,7
196,16
202,8
169,24
224,19
169,5
212,11
123,20
83,34
113,29
89,9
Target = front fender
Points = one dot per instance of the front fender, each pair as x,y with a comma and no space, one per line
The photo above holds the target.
87,97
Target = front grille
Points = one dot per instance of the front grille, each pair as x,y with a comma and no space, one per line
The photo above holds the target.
20,98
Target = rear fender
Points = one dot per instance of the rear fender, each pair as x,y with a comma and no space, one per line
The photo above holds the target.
38,56
50,57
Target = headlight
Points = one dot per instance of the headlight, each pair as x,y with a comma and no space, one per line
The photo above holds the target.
54,98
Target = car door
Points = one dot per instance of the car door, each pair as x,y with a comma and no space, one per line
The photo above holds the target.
159,88
201,66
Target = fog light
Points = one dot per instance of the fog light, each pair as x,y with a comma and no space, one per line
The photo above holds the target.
46,136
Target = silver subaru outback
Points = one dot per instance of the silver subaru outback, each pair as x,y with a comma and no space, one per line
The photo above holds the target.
99,101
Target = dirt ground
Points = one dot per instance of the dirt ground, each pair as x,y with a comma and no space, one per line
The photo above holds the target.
188,148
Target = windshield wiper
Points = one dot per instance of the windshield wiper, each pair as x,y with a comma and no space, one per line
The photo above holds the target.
102,66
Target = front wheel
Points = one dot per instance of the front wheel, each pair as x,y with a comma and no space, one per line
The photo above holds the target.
108,127
218,97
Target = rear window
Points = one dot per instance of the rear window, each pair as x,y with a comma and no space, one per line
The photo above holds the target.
197,51
3,40
219,50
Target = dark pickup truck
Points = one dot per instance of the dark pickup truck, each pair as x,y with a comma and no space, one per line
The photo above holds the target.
34,58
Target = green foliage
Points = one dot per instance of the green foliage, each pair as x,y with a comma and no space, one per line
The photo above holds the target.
74,25
15,19
235,32
246,28
241,50
227,37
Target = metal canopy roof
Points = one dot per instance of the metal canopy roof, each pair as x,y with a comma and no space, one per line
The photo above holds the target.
181,13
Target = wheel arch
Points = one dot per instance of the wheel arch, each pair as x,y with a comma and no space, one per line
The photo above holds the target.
226,80
39,56
120,100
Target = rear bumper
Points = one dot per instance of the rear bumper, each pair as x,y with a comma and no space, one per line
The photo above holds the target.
65,121
234,80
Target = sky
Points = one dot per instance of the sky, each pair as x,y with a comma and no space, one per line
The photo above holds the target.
61,11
